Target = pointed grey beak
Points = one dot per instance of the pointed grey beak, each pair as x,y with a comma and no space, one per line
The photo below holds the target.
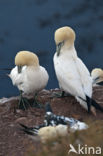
95,80
19,69
58,48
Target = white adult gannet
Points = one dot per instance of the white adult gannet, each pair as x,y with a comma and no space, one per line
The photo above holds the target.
28,75
73,76
97,76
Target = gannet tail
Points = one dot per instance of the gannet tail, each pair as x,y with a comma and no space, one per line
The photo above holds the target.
100,83
30,131
92,102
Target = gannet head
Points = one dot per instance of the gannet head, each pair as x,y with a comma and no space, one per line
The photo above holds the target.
26,58
97,75
64,36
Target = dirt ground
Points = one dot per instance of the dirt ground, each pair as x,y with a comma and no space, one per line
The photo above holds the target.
14,142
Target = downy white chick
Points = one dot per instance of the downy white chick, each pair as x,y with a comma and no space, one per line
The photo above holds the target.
72,74
48,133
54,126
97,76
51,133
28,75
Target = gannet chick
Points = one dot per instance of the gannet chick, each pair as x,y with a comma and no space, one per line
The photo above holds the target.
52,132
49,133
73,76
52,119
54,126
97,76
28,75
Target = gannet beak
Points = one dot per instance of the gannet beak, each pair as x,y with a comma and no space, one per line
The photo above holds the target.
19,69
58,48
95,80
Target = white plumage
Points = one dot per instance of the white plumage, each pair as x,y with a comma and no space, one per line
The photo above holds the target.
73,76
30,80
28,75
52,132
54,126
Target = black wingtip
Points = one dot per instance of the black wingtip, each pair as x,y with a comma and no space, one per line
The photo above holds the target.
97,106
22,125
92,102
100,83
88,100
27,130
48,107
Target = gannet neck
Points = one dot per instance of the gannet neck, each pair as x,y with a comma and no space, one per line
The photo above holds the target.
33,64
33,67
67,46
69,50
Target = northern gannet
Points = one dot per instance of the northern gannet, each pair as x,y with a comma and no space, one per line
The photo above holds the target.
97,76
28,75
47,133
52,119
72,74
54,126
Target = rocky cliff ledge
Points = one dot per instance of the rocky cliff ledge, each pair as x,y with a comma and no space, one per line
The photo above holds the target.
14,142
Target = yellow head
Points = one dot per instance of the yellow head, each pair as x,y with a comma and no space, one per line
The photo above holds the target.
64,36
26,58
97,75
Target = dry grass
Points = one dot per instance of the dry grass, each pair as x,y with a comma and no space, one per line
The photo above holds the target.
92,137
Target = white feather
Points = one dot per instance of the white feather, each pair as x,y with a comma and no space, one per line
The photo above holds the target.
31,79
52,132
72,75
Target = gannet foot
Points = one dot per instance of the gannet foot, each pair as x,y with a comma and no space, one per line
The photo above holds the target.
23,103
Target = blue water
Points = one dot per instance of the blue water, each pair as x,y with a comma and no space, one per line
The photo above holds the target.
30,25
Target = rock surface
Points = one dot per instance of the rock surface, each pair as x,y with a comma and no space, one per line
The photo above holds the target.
14,142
